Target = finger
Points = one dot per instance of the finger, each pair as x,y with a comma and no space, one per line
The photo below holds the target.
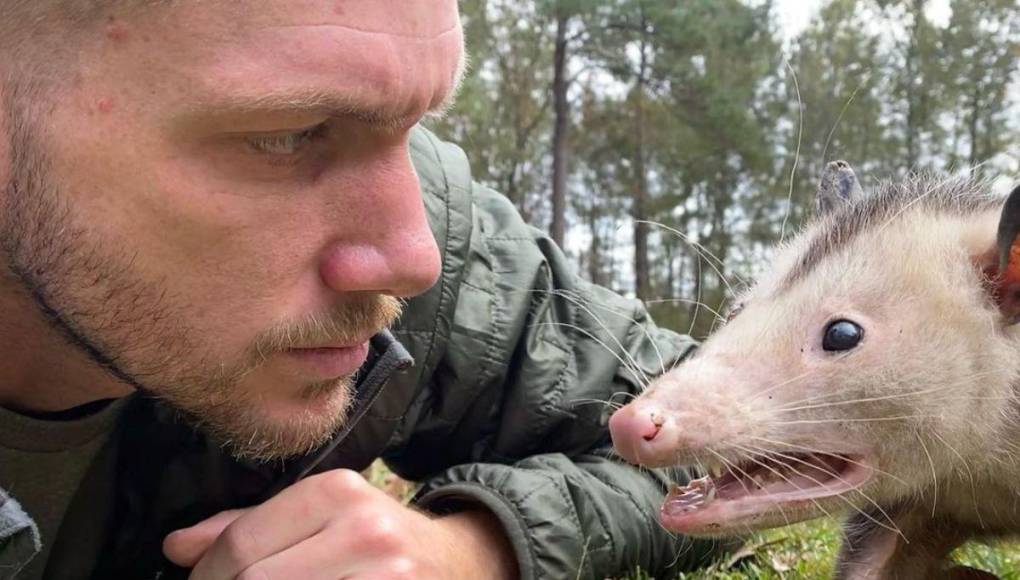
321,557
296,514
186,546
338,552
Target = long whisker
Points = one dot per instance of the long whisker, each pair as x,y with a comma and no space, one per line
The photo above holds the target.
757,395
788,409
631,365
687,301
830,454
839,118
796,156
780,475
655,346
855,420
611,404
858,401
635,370
580,304
888,518
730,466
964,381
934,475
934,187
970,475
700,248
697,306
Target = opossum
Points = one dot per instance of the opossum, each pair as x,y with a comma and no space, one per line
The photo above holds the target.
874,368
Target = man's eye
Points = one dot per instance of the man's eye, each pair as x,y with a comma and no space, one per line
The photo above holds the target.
285,143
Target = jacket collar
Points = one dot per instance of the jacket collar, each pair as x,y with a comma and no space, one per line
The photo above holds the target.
168,476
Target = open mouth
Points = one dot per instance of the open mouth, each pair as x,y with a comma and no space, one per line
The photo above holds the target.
763,491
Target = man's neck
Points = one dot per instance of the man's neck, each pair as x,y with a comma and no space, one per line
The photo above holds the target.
39,370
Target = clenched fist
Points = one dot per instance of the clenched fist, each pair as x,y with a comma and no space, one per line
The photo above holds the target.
336,526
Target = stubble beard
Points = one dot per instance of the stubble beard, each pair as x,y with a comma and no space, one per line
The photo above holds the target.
103,304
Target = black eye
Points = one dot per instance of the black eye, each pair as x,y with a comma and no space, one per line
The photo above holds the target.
842,335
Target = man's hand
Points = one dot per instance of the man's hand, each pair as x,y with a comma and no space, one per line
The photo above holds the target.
336,525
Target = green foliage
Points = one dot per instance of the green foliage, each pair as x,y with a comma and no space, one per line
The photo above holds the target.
702,118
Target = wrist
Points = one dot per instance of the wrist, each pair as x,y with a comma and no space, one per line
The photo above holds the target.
479,542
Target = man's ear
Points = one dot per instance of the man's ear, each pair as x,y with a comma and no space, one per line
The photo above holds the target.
1005,274
838,187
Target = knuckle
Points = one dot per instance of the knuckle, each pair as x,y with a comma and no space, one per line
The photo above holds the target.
339,484
240,543
382,534
403,569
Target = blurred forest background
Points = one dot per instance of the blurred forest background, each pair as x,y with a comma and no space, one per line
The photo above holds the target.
645,135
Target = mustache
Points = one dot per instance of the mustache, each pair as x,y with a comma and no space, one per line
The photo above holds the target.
350,323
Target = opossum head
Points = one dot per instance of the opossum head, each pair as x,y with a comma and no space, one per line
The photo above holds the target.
877,355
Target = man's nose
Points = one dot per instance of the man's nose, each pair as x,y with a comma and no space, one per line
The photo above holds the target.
386,245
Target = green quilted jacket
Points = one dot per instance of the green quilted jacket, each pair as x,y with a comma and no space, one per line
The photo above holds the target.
489,392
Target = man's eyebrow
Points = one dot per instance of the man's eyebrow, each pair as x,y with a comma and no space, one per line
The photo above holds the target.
325,101
330,103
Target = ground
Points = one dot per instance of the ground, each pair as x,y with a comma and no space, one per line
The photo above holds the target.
801,552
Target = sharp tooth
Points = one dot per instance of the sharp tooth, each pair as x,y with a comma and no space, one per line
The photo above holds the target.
716,470
686,502
711,495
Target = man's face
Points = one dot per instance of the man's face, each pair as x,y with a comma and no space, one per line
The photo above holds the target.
220,205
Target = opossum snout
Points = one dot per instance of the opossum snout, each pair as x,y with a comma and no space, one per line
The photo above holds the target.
648,433
644,434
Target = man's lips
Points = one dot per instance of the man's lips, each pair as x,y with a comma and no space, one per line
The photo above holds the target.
329,362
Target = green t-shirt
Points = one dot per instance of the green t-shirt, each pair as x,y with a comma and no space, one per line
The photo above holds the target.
42,463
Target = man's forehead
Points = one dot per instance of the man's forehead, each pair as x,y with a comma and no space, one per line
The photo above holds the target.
400,56
410,18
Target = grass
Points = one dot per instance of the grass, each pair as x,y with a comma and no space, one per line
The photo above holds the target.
799,552
807,551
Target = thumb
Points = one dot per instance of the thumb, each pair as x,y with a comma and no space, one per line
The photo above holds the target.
186,546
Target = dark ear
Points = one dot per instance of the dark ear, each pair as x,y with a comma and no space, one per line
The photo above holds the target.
838,187
1007,279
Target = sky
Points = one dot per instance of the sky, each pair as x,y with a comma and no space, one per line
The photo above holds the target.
795,15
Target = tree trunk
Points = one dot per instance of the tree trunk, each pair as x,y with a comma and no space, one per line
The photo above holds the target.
595,254
915,108
642,278
668,248
975,110
561,111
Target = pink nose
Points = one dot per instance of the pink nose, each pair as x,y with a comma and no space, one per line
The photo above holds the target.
644,434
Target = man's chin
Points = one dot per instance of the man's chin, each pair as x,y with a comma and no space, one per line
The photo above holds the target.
277,425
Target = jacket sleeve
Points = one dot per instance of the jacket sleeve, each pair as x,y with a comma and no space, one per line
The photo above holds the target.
514,416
